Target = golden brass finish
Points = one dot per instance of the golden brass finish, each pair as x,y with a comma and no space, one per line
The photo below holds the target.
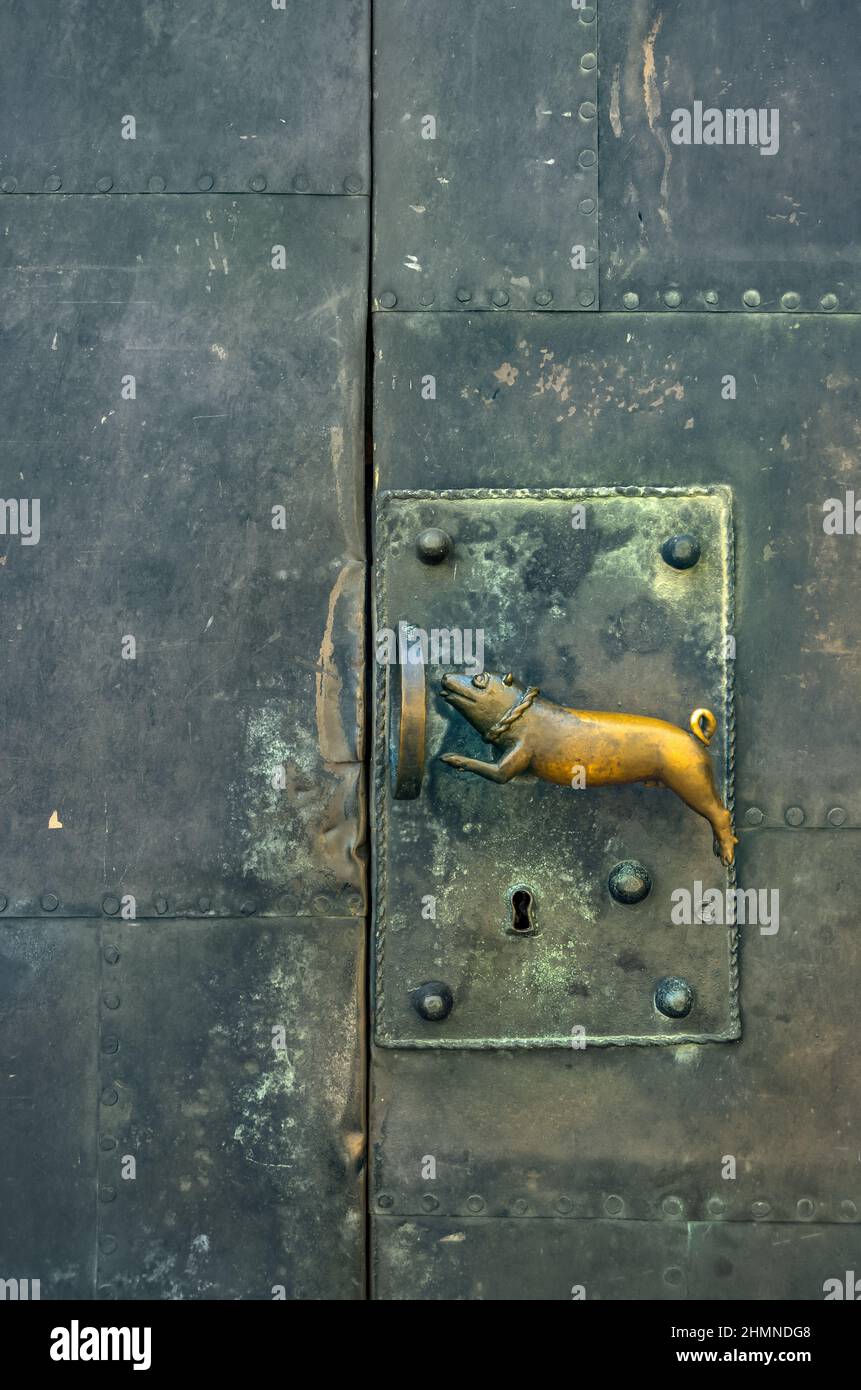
412,719
588,748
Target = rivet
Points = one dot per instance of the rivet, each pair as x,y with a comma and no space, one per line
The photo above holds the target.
203,904
388,299
321,904
161,906
674,1276
426,298
110,1044
111,955
9,185
613,1205
674,997
433,1001
752,298
790,300
50,902
433,546
257,184
107,1142
107,1244
753,816
500,298
301,184
837,816
205,182
760,1209
586,299
829,301
109,1096
429,1202
4,903
588,62
794,816
587,205
248,908
385,1201
804,1208
588,110
111,1001
564,1206
107,1194
672,298
673,1206
543,298
629,882
105,184
352,183
520,1206
475,1204
716,1206
157,184
587,15
849,1210
110,905
587,158
711,297
53,183
463,295
681,552
631,300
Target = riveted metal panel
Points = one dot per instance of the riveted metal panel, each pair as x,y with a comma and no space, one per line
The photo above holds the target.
587,615
49,974
558,1260
185,96
187,414
632,400
486,155
245,1122
763,224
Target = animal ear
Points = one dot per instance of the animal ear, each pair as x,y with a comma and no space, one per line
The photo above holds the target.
508,680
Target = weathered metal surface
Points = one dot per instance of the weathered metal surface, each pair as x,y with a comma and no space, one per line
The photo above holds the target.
486,155
185,96
599,615
547,401
557,1260
190,417
239,1082
723,227
48,1097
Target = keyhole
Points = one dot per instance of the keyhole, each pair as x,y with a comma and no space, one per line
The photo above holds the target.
521,909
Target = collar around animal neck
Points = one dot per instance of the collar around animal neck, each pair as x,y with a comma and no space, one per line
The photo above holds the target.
504,723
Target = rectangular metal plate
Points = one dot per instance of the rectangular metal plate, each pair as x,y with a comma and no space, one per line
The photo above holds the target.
570,592
158,520
224,97
724,227
485,155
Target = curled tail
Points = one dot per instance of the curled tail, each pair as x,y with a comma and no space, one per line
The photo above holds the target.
700,717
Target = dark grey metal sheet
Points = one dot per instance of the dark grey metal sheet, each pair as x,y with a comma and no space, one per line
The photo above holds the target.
560,1261
249,1176
550,401
49,976
224,96
723,227
498,208
598,620
643,1134
156,522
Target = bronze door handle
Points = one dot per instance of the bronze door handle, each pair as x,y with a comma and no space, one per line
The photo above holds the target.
410,724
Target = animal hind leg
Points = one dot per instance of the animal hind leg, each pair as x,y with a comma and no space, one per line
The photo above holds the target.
695,786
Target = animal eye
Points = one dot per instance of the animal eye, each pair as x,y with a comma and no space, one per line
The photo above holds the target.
481,680
508,680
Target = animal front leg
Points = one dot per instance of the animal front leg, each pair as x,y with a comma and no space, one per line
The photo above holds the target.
515,761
